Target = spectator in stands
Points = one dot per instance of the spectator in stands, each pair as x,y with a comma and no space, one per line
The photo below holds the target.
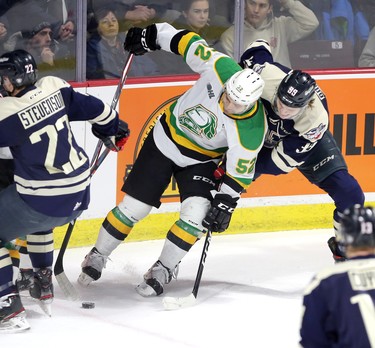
367,57
66,37
66,32
278,31
4,34
20,12
368,7
134,13
105,52
196,16
51,57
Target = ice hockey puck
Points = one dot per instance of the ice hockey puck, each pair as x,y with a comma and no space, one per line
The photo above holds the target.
88,305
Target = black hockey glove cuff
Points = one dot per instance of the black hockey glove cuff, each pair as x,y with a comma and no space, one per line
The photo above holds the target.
220,213
115,142
140,41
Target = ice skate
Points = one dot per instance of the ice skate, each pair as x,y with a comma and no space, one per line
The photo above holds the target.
42,289
25,279
12,314
92,267
154,280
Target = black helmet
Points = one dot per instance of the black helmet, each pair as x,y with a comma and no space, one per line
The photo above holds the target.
357,227
296,89
20,67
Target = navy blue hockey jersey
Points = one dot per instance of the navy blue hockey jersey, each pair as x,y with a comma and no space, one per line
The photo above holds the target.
52,172
339,306
291,140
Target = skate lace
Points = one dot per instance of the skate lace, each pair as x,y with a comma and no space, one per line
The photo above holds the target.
97,260
175,271
171,274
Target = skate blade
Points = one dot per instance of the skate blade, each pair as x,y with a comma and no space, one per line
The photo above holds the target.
46,307
13,325
84,280
145,290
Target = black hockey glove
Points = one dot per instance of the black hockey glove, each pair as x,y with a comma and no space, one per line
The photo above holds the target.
220,213
115,142
140,41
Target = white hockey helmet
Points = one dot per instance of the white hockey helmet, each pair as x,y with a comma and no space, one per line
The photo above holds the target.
245,87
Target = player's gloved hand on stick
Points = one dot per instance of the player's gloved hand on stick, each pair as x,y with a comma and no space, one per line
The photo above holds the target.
220,213
140,41
115,142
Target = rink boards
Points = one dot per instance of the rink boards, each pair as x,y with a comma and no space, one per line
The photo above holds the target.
286,202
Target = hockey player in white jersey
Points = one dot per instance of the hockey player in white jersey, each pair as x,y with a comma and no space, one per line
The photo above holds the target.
51,171
339,302
298,136
220,114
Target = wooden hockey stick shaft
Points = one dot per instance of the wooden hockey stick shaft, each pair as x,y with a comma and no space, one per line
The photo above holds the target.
97,160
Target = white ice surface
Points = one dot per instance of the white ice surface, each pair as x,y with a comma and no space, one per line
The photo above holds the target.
250,296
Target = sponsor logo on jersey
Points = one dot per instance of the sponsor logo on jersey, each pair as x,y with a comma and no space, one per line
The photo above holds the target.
315,133
41,110
323,162
204,179
210,91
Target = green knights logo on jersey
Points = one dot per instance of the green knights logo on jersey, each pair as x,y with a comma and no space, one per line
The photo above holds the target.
199,121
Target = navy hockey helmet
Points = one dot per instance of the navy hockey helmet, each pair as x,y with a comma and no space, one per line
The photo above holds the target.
296,89
20,67
357,227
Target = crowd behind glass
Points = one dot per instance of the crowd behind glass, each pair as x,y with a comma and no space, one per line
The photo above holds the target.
81,40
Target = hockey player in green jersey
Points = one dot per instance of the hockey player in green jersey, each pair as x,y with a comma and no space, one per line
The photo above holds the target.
221,114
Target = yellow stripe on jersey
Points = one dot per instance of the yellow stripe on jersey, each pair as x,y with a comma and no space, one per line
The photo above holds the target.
245,183
14,254
21,242
185,142
186,41
117,224
182,234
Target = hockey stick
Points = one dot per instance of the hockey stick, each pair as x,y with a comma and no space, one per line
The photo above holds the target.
171,303
63,281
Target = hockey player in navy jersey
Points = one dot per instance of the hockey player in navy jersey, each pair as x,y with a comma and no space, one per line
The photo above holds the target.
51,171
298,134
220,114
339,302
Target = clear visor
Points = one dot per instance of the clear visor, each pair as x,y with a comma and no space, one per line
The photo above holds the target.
283,111
231,107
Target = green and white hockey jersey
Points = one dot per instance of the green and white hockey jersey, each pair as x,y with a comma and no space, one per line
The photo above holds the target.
195,129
